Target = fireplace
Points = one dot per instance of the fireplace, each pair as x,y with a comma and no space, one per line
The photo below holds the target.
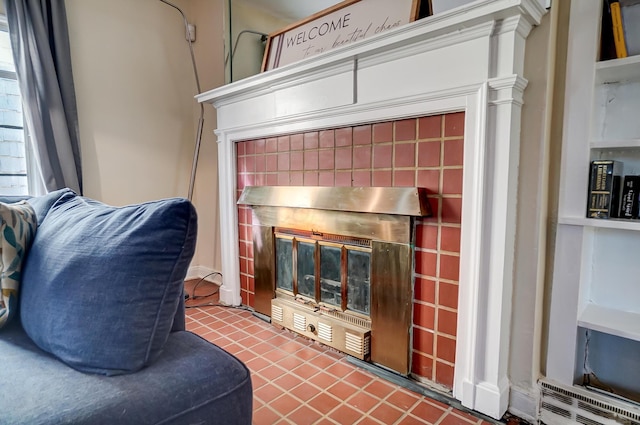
467,61
335,264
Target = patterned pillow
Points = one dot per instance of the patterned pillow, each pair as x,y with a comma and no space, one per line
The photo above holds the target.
17,227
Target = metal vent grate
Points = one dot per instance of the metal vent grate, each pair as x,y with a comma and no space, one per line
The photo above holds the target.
555,409
276,313
562,398
586,421
562,405
354,343
354,320
367,345
325,332
299,322
596,411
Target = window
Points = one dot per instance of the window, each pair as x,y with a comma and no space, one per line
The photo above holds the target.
13,149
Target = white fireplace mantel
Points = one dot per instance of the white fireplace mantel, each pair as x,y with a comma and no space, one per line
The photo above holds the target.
468,59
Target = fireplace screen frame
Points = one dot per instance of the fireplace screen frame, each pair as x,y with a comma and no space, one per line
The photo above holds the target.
347,246
385,216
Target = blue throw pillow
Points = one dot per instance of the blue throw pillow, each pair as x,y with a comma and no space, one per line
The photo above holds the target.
101,284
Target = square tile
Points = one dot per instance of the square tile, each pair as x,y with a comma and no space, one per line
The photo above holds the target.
324,403
296,142
296,161
428,412
430,127
444,374
283,144
361,178
405,130
446,349
343,158
362,135
382,156
386,413
304,416
450,239
425,290
405,155
344,136
424,315
361,157
447,321
453,152
404,178
382,132
311,140
363,401
345,415
382,178
423,341
449,267
327,139
454,124
422,365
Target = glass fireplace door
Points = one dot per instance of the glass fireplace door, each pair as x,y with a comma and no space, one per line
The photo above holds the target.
330,273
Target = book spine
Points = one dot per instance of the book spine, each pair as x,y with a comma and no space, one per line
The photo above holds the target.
618,30
629,200
604,189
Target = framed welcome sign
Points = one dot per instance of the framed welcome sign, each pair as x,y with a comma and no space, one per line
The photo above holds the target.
337,26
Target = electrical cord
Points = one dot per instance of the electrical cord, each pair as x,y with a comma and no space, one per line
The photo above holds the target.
193,296
240,307
196,150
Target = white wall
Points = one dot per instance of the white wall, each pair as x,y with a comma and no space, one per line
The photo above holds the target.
525,351
134,87
524,347
208,17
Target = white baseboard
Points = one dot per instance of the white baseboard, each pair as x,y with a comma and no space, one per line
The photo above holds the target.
491,399
199,272
523,403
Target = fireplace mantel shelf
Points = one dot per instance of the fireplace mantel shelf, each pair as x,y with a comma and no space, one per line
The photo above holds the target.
438,31
468,59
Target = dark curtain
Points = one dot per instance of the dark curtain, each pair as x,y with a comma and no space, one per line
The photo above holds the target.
40,43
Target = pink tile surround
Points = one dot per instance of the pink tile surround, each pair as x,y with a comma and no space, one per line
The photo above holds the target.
424,152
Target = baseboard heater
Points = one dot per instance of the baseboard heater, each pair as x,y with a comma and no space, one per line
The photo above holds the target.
563,405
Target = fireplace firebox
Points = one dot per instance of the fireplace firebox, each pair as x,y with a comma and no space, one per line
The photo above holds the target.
335,264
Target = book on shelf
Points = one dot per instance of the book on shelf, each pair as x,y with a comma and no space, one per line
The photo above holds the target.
612,32
604,189
618,29
629,201
607,45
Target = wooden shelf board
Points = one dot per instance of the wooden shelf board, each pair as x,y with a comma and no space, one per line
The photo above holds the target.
616,70
610,223
611,321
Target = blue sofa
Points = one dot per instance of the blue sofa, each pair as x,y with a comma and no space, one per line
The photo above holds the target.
99,333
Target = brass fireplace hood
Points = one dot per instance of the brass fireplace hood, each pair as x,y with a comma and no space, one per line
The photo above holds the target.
381,200
382,215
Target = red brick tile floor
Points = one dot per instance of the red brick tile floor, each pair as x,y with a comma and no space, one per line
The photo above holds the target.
297,381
